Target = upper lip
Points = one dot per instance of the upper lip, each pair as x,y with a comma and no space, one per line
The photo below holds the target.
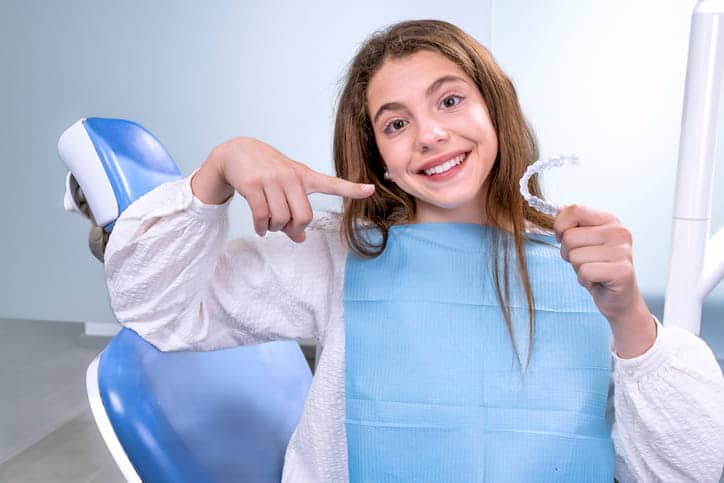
441,159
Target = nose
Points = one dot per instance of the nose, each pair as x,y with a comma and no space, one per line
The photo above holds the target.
431,134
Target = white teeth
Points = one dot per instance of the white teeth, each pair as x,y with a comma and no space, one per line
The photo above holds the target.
445,166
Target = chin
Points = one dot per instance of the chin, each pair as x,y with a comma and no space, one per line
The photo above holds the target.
454,201
450,205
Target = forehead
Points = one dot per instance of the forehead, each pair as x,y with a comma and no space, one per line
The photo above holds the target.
410,75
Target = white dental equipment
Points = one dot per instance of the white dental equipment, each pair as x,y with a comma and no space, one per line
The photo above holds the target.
696,264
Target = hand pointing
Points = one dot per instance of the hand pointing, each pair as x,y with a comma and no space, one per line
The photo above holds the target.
275,187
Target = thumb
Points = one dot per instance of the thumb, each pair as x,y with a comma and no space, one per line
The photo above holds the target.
321,183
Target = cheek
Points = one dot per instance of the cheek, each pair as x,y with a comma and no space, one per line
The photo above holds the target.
383,149
392,155
478,119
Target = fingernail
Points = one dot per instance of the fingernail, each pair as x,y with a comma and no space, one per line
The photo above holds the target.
368,188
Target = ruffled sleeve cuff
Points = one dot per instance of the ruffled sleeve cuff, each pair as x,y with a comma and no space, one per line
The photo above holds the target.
673,346
647,362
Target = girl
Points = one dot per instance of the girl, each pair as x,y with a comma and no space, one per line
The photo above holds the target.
458,346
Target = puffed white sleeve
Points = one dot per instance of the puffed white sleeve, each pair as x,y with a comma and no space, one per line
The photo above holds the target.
666,411
173,278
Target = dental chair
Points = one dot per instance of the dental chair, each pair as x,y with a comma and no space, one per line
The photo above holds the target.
215,416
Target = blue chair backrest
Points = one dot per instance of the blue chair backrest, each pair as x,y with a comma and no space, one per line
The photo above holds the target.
134,160
219,416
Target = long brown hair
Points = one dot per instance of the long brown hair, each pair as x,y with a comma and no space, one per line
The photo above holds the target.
357,157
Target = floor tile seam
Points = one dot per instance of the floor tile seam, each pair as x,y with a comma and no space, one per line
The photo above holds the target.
54,427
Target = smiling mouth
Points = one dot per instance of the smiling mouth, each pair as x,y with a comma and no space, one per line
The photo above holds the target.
446,166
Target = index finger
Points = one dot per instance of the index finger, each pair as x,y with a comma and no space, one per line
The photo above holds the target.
321,183
571,216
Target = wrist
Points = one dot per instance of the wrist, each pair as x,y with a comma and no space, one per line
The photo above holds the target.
635,333
209,183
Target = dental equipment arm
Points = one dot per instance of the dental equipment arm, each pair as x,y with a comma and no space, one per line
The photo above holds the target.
696,264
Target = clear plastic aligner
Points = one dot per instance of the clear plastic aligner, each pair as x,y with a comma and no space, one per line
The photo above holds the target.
538,167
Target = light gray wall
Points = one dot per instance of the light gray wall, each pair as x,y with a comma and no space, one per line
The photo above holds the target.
195,74
4,114
606,80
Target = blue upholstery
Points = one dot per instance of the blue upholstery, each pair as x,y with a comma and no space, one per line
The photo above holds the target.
219,416
134,160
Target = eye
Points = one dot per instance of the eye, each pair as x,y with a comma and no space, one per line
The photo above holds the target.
451,100
394,126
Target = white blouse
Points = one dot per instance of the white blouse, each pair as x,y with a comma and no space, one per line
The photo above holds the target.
175,280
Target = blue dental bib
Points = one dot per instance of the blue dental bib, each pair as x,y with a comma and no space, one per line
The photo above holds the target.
433,387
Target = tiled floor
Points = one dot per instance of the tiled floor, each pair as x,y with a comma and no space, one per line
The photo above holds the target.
74,452
47,433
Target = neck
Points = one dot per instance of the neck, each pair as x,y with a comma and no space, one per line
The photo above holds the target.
473,212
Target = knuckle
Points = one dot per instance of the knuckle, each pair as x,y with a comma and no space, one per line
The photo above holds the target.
583,271
298,224
241,142
306,218
232,146
254,179
628,267
279,222
575,208
300,169
621,271
220,150
566,238
574,258
581,280
261,215
271,176
624,234
306,182
289,172
282,174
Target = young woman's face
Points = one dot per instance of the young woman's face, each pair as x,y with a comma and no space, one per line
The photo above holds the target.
427,113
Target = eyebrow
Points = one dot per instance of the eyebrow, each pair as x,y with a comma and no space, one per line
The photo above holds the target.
390,106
